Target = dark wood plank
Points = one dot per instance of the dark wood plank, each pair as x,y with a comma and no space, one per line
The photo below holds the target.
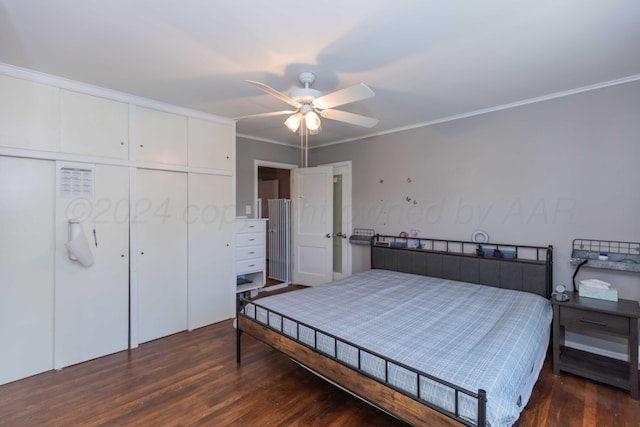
192,379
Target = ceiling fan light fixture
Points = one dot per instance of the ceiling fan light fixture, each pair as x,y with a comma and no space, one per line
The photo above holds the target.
310,105
293,122
312,121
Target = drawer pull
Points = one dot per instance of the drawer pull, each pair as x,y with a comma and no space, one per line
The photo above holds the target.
251,240
593,322
251,253
252,265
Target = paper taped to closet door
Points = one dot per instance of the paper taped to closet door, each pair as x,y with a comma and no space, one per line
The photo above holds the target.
76,182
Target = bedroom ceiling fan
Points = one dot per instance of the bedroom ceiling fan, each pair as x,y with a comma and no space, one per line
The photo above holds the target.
311,104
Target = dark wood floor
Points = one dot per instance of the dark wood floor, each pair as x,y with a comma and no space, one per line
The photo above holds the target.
192,379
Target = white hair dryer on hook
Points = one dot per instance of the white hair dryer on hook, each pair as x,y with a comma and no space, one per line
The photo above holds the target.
77,244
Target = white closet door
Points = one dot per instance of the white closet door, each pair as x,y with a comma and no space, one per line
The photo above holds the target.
92,303
27,202
160,220
211,279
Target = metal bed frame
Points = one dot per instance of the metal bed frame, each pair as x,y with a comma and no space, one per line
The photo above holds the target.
449,259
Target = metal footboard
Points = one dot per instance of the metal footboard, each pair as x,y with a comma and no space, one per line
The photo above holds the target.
276,322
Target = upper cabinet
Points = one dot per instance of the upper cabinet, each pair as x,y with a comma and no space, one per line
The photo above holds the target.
210,145
37,116
94,126
29,115
161,137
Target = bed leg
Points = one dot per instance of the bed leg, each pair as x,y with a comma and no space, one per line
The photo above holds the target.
238,335
482,408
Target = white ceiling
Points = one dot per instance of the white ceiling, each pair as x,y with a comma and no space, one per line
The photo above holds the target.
426,60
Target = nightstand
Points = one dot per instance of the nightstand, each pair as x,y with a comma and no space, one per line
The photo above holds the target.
581,314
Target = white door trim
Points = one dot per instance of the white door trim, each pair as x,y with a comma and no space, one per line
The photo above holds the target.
266,164
347,218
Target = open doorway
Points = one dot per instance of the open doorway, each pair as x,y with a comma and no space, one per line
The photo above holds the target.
276,180
321,223
273,181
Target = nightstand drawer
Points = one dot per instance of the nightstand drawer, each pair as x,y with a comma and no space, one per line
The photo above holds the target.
594,321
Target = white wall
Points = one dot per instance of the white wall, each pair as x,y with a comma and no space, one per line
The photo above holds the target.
544,173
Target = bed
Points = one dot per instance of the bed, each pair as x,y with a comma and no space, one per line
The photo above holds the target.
416,336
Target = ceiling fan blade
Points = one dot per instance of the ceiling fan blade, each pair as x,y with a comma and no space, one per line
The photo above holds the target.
344,96
271,91
262,115
354,119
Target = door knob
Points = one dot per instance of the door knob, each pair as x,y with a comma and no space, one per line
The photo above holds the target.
329,235
341,234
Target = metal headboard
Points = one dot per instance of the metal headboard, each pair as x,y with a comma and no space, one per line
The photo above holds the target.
509,266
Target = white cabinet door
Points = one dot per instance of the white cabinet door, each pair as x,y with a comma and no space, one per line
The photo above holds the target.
29,115
161,137
27,200
211,145
211,279
94,126
92,303
160,220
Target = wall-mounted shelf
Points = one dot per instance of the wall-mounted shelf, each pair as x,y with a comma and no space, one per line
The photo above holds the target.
362,236
622,256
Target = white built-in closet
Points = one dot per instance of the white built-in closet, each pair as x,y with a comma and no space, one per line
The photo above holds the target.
156,210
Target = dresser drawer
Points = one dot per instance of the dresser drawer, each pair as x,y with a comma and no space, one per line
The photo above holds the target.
249,252
250,265
250,226
255,239
595,321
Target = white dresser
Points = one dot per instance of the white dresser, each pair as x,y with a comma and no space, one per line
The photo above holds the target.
251,262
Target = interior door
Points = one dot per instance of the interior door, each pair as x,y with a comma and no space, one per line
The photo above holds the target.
313,225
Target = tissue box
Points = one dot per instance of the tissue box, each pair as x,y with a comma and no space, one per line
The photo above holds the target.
610,294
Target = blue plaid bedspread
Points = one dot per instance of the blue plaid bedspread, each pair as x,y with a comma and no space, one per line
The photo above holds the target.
473,336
